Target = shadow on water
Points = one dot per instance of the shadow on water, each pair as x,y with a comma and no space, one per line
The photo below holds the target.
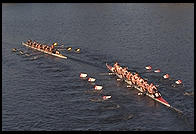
86,62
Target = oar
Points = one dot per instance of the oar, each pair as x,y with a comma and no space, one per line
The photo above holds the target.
177,110
67,48
106,73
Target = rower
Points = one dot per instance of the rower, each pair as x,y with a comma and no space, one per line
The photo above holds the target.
52,46
44,47
140,82
41,46
28,42
34,43
50,49
150,88
135,76
133,79
129,75
119,70
116,66
124,71
145,85
53,51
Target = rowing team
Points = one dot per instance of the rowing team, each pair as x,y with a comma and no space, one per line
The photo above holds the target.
137,80
43,47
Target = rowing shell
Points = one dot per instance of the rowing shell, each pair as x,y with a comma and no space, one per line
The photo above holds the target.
57,55
159,99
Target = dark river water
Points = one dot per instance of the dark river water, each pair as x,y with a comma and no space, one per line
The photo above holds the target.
43,92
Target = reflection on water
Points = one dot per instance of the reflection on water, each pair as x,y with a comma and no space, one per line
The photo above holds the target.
43,92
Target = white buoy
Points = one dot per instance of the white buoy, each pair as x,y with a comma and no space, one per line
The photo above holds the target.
178,82
106,97
166,76
98,87
77,49
83,75
91,79
157,71
148,67
69,48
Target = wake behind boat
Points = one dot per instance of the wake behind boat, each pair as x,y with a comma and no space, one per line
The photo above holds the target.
43,48
156,95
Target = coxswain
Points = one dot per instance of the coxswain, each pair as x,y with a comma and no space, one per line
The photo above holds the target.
157,94
148,67
166,76
154,89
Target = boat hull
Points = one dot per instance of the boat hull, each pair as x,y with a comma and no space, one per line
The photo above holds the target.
160,99
60,56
